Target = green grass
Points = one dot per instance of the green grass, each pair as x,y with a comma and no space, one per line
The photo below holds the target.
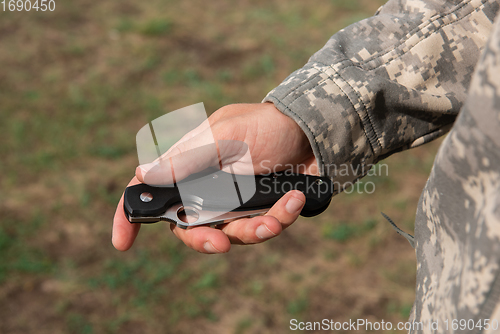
346,4
156,27
346,231
77,323
298,305
17,259
243,326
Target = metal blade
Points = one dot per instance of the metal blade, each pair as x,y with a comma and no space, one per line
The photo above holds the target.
191,216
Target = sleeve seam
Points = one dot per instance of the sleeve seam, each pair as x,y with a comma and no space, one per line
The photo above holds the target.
358,112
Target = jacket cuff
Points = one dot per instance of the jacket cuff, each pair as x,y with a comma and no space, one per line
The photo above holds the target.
330,114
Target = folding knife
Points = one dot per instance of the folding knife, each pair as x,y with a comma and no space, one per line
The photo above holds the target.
204,199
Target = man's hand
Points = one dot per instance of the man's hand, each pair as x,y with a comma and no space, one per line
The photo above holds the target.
274,141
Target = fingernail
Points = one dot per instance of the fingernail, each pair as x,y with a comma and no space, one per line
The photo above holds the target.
143,170
151,169
138,172
263,232
209,247
294,205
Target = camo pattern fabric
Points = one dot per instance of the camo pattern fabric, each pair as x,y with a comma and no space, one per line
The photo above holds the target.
391,82
458,220
399,80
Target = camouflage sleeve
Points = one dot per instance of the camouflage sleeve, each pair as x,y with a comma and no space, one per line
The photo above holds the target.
457,227
388,83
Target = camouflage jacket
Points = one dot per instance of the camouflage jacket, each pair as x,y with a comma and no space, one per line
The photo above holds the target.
398,80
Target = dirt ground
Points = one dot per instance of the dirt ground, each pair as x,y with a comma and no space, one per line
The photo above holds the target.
77,83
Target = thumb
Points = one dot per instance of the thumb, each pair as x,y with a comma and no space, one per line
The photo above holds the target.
170,168
192,155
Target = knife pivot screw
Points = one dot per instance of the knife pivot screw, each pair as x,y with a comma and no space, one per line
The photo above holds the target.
319,182
146,197
215,176
188,215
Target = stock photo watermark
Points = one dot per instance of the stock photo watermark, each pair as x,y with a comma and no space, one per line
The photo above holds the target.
382,325
346,176
28,5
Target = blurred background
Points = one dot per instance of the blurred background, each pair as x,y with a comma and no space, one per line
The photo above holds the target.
76,85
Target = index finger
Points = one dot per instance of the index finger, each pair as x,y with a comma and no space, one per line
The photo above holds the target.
124,233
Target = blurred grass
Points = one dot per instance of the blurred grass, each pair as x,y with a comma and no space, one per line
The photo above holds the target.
75,87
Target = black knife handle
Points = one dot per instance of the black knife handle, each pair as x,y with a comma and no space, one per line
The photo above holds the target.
318,192
268,190
162,199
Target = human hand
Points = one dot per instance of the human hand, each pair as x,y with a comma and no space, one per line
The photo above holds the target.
274,141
